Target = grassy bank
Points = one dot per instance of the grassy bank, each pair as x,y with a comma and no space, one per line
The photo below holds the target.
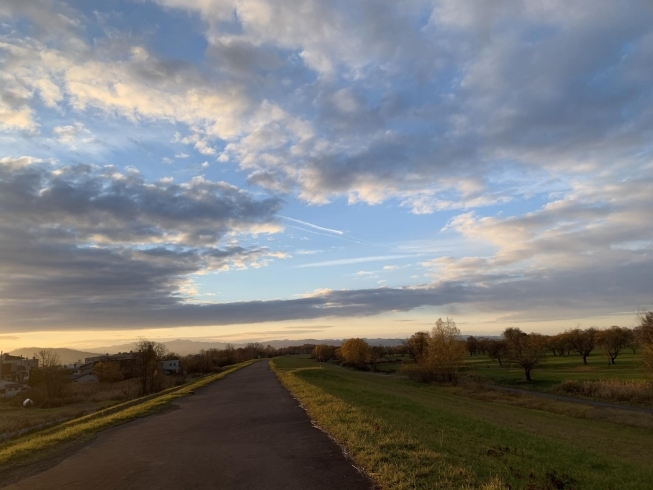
407,435
82,428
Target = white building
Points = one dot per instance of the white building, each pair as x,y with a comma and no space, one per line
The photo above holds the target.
10,388
171,366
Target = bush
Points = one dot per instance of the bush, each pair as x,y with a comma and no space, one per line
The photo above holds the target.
611,390
418,372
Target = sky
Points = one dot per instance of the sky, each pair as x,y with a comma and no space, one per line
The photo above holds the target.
267,169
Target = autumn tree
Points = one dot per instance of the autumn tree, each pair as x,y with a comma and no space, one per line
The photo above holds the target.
582,341
497,349
472,345
644,334
558,344
445,351
523,350
355,352
323,352
613,340
417,345
148,354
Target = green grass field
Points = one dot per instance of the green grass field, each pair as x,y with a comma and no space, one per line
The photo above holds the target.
409,435
552,371
556,369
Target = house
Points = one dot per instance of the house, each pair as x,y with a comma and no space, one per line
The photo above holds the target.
82,372
9,389
170,366
16,368
127,361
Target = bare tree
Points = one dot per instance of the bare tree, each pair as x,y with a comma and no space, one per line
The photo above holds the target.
472,345
523,349
52,375
497,349
582,341
644,333
417,345
613,340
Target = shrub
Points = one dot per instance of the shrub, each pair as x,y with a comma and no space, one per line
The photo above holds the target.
611,389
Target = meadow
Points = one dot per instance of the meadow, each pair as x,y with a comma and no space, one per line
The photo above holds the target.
410,435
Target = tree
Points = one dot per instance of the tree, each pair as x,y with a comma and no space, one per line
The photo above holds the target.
50,373
355,352
472,345
445,351
559,344
497,349
323,352
613,340
149,354
108,372
644,334
582,341
523,349
417,345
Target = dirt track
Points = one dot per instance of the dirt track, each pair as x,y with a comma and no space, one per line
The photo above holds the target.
244,431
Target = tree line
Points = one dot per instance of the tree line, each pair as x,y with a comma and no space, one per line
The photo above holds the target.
438,355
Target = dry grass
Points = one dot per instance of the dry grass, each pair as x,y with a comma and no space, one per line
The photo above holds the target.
84,427
611,389
569,409
394,459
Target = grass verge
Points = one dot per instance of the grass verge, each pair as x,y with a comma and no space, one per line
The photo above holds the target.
393,459
407,435
82,428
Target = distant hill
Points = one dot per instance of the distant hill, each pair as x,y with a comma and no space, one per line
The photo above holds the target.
66,356
183,347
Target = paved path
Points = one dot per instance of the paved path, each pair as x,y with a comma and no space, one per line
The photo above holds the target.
243,432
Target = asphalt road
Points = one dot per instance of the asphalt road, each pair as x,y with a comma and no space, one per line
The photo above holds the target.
244,431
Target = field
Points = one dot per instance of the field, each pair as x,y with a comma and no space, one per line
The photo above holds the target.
409,435
81,399
553,371
556,369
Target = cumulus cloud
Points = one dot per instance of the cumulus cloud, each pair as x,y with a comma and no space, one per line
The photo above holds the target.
81,234
446,105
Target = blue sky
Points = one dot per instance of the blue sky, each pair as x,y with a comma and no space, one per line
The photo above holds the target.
265,169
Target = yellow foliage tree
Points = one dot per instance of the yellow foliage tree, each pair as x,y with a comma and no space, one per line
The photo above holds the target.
355,352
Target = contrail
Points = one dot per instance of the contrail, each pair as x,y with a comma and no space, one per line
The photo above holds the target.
354,261
337,232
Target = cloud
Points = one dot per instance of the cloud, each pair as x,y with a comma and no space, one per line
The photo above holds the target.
372,101
73,235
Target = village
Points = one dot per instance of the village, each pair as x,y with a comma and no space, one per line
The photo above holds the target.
15,370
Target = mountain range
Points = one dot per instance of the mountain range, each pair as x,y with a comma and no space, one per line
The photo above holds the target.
183,347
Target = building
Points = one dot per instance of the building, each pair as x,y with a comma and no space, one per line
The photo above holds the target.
127,361
9,389
171,366
82,372
16,368
85,378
